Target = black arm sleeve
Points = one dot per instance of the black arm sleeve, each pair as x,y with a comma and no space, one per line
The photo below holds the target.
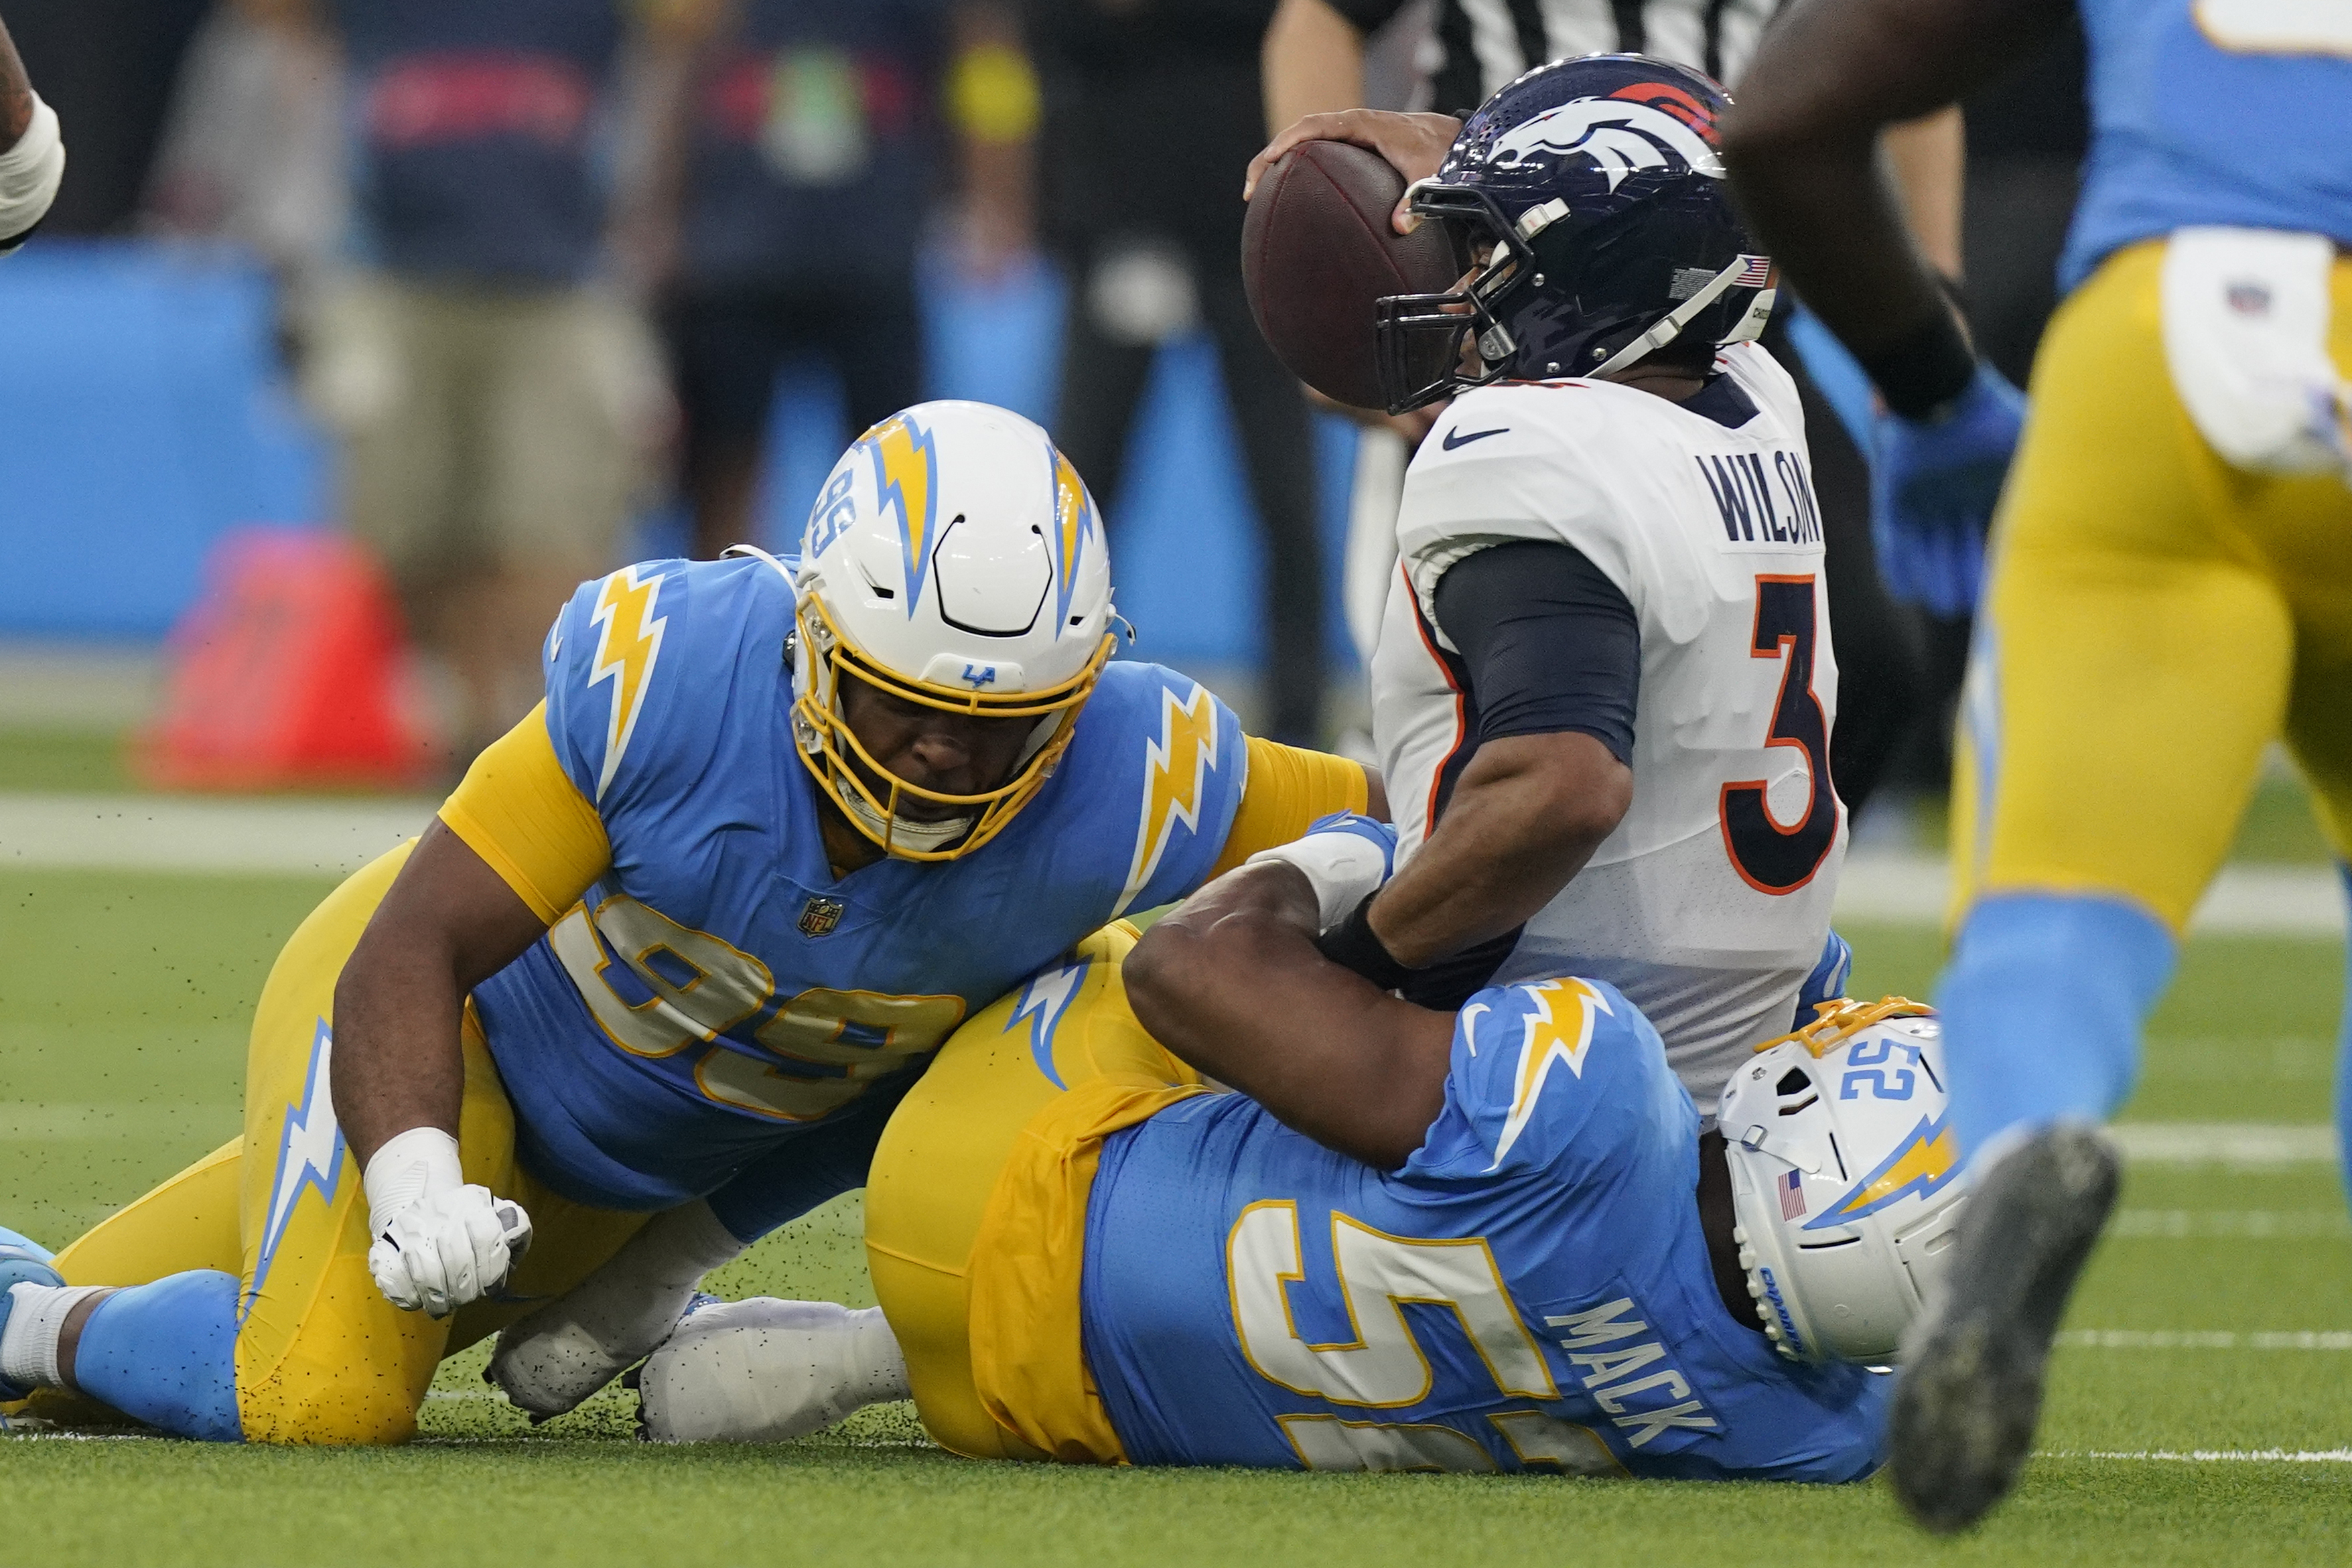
1549,643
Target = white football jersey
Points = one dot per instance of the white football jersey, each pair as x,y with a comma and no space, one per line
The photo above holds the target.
1711,903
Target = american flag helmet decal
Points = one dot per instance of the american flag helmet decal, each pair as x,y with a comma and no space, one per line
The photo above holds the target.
1792,1195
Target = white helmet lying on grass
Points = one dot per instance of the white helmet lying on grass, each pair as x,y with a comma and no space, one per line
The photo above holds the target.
1846,1178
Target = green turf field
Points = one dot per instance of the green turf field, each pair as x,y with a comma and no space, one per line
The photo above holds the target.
123,1015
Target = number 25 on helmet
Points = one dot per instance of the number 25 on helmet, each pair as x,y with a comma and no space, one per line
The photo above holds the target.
954,560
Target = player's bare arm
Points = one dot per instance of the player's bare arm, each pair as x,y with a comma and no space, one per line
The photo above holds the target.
1311,62
15,93
1529,813
32,150
1802,144
449,924
1232,983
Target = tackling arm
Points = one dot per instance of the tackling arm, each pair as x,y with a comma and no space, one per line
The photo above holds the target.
1233,984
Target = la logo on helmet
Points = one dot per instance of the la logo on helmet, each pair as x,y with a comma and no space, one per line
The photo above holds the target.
1618,136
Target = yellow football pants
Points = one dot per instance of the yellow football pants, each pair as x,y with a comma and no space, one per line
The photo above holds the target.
940,1158
322,1357
2154,619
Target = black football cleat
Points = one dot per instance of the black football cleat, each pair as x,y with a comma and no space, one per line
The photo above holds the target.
1969,1393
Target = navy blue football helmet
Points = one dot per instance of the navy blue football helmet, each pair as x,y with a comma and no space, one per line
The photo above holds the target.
1596,184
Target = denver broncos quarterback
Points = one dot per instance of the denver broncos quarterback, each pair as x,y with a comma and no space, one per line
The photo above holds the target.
1490,1239
2169,586
674,946
1604,689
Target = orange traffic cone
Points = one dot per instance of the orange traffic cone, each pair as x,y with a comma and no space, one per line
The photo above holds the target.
289,672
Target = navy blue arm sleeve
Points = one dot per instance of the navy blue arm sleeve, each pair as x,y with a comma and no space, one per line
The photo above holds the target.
1549,643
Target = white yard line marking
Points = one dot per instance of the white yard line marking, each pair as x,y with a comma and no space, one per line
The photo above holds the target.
2244,1145
2230,1224
2205,1339
45,1121
2207,1456
180,833
1910,888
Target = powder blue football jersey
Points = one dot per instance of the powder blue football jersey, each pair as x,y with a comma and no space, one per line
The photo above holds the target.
1531,1291
2213,112
718,994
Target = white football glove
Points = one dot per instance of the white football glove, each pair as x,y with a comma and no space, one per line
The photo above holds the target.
559,1355
1346,855
763,1370
440,1244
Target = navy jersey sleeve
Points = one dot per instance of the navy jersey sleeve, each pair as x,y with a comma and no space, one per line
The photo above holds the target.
1551,643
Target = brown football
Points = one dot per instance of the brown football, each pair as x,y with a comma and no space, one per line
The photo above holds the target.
1318,250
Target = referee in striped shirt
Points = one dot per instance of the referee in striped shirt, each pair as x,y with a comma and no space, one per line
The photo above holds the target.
1313,58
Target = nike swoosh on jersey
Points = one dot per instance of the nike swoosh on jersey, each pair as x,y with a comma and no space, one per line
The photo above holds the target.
1454,438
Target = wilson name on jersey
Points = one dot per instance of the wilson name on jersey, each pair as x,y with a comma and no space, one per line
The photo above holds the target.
1710,903
1531,1291
719,990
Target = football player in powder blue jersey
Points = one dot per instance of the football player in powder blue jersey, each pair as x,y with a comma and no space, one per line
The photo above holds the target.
1494,1240
2172,540
674,947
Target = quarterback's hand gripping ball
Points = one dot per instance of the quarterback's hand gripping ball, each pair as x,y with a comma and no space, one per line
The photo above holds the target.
1933,485
439,1243
1346,856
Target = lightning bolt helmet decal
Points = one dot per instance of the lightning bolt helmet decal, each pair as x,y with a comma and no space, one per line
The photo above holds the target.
906,480
1921,1164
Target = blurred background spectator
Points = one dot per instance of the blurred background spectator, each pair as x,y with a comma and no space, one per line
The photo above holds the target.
252,153
1153,108
498,401
796,173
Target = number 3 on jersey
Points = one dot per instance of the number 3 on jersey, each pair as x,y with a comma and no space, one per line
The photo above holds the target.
1769,857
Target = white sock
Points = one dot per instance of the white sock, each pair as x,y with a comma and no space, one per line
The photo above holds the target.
878,1367
36,1320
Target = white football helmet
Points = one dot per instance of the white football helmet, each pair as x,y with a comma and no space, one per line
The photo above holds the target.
954,560
1846,1178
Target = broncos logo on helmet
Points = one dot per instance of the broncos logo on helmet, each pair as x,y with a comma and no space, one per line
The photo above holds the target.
1618,137
1591,193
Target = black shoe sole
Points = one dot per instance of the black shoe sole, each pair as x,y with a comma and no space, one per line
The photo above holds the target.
1969,1392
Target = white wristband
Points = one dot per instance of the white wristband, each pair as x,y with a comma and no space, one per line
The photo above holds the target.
1343,868
30,173
416,1163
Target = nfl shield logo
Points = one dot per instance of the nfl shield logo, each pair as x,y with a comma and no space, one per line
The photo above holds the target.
820,916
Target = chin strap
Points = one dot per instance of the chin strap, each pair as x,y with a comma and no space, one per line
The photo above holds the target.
924,836
1670,326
